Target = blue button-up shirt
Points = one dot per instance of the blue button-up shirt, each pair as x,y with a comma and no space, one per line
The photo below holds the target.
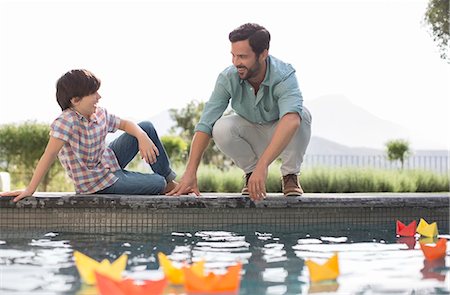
278,95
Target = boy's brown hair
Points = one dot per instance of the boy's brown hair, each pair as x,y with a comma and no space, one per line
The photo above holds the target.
75,84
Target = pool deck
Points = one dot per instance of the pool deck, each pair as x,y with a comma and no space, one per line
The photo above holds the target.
70,212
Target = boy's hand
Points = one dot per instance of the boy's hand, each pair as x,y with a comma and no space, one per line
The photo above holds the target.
148,150
19,194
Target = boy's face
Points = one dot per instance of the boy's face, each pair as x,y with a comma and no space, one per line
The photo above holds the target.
87,104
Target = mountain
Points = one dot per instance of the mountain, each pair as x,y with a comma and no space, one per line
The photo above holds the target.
337,119
339,128
322,146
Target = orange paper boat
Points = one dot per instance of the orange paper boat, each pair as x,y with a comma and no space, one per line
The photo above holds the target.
427,230
328,271
174,274
213,283
108,286
434,252
406,230
87,267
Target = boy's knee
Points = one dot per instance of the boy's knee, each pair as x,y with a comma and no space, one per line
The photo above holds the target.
147,126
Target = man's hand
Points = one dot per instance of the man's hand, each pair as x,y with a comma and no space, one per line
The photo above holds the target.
19,194
187,185
257,184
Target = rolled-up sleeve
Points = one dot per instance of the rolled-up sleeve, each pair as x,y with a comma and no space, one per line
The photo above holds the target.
290,99
215,107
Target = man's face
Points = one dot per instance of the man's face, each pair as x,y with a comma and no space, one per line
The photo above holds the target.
244,59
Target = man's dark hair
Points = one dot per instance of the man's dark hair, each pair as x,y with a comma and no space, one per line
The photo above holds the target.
75,83
258,37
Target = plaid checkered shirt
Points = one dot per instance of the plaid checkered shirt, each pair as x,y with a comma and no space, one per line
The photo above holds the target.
85,156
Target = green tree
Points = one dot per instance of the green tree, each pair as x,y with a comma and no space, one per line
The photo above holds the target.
398,149
186,119
175,147
436,19
21,147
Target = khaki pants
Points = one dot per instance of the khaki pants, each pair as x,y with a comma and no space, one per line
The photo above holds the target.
244,142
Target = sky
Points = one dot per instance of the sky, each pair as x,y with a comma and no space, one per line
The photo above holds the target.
156,55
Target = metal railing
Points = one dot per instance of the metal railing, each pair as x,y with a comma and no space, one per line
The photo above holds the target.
437,164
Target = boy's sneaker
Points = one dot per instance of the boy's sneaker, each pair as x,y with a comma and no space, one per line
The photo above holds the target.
291,186
245,188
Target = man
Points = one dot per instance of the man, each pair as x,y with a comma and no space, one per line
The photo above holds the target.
270,120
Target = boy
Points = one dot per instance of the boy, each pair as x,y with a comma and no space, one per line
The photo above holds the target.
78,135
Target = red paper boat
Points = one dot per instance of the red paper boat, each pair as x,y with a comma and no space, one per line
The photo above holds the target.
107,286
434,252
212,283
406,230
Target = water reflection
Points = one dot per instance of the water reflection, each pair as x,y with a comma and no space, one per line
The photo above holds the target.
323,287
408,241
272,264
434,269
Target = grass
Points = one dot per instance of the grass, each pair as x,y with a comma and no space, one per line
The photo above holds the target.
328,180
314,180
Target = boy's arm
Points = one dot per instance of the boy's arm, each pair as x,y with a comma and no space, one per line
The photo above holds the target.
147,148
54,145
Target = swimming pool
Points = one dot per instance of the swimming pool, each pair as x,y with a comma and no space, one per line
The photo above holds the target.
372,260
272,239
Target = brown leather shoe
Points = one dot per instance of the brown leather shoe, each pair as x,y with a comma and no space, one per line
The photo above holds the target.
291,186
245,188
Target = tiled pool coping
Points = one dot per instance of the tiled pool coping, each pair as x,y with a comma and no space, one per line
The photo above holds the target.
118,213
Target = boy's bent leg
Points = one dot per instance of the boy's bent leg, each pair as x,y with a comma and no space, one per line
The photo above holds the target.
241,140
162,164
136,183
292,156
126,147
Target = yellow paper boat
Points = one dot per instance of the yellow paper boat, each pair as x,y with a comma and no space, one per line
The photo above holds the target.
174,274
327,271
87,267
427,230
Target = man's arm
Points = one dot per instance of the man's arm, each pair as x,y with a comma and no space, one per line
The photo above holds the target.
54,145
147,148
188,182
285,130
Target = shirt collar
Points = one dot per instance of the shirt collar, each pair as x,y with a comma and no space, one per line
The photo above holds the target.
83,118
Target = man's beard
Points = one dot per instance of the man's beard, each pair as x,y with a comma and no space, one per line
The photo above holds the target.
252,72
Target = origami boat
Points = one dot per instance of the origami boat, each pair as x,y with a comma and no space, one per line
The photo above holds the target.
427,230
327,271
229,282
434,252
406,230
108,286
87,267
174,274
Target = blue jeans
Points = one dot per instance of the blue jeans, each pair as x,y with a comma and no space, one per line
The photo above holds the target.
125,148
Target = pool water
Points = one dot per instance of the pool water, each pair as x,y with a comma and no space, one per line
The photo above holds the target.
371,261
